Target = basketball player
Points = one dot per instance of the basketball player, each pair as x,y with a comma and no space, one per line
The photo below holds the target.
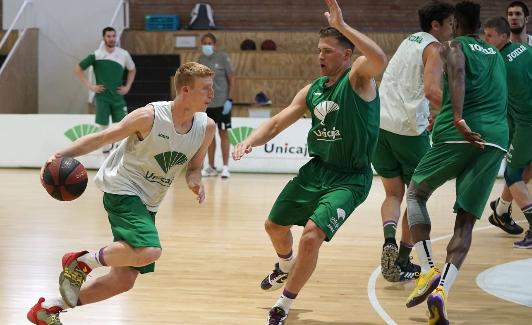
411,80
469,140
161,140
518,60
517,15
344,104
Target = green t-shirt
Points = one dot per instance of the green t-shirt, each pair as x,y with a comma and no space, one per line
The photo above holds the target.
485,99
344,127
518,60
109,71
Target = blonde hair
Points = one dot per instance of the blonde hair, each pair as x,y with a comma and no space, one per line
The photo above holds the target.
186,74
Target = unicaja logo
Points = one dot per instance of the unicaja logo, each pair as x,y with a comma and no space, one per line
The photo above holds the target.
238,135
322,109
80,130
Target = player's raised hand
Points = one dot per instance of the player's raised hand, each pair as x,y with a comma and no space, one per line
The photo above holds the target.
334,15
240,150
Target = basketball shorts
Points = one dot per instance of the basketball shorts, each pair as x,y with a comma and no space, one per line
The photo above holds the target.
223,121
104,108
132,222
398,155
321,194
475,171
520,151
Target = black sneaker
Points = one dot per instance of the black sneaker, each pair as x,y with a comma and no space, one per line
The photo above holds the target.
276,316
274,280
408,271
505,221
390,271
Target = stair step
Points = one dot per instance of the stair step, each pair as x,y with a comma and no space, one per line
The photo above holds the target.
156,60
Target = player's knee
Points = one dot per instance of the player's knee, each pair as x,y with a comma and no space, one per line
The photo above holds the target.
148,255
513,175
312,238
272,228
416,200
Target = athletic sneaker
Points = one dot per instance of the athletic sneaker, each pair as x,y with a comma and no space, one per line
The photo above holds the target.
526,242
389,269
436,302
208,172
41,316
410,271
426,283
225,173
505,221
276,316
72,277
274,280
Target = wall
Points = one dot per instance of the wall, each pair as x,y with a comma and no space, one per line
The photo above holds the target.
18,76
367,15
68,31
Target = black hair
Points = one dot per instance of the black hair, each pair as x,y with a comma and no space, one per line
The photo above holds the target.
467,15
519,4
434,10
108,29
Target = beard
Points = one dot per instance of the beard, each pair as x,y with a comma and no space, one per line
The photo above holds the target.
517,30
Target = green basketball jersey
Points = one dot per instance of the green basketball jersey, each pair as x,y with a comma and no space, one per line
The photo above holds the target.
109,71
485,99
518,60
344,127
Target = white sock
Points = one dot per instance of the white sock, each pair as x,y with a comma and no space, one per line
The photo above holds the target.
285,264
284,302
424,253
502,206
448,276
91,259
56,301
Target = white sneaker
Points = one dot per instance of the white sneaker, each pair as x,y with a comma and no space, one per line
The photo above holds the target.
225,173
208,172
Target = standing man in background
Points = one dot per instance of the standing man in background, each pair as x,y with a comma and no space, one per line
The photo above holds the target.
411,81
220,108
108,63
517,15
518,60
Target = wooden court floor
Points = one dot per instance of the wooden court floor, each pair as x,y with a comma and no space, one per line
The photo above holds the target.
215,255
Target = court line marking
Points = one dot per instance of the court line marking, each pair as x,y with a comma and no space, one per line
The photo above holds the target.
372,281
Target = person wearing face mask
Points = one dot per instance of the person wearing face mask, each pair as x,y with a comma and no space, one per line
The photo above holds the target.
220,107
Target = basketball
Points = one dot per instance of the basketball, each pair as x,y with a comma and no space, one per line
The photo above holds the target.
65,179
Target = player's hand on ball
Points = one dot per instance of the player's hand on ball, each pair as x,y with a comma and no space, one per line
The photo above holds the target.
48,162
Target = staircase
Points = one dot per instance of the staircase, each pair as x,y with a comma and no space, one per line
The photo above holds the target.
153,80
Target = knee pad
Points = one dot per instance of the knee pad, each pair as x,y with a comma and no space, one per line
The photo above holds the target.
416,200
513,175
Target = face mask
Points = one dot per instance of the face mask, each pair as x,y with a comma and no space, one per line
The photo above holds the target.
208,50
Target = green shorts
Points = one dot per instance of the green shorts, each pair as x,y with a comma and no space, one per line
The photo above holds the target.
132,222
398,155
104,108
520,151
321,194
475,171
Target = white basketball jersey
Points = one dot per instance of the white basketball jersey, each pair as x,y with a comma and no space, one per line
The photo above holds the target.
404,107
147,168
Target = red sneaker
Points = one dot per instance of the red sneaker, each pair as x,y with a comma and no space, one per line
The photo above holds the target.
41,316
72,277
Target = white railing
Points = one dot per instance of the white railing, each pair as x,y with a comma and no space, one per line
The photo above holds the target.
19,13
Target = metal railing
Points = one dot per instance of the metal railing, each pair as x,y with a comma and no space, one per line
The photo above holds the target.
19,13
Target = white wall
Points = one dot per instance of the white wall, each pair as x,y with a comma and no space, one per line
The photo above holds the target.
68,31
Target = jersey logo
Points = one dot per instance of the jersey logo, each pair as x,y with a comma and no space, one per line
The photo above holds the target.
515,53
169,159
322,109
317,93
164,136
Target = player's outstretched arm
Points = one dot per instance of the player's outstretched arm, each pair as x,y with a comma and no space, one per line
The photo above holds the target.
374,60
268,130
193,175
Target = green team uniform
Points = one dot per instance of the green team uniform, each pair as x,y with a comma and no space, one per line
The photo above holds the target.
342,142
484,111
518,60
109,71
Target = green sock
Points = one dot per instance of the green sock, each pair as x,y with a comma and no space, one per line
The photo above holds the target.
390,227
404,253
